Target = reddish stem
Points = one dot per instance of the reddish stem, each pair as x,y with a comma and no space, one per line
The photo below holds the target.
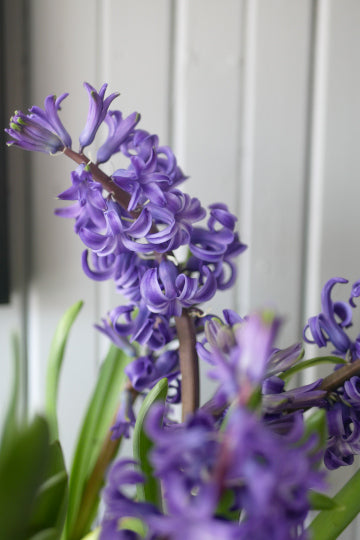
189,364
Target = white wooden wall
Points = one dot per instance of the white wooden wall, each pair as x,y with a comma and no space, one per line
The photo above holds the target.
259,98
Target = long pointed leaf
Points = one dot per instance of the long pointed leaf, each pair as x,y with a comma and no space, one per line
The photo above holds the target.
150,490
51,501
328,525
22,468
54,365
95,427
11,421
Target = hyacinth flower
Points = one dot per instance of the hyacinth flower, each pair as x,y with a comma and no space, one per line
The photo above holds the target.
41,130
248,442
98,107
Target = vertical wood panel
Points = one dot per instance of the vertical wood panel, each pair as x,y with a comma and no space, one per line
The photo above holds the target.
273,160
63,54
208,57
338,154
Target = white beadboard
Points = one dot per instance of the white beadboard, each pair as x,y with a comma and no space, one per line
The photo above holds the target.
274,151
63,51
260,100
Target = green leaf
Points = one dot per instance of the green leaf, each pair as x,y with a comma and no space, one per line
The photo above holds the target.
98,420
51,502
224,507
320,501
133,524
56,356
93,535
48,534
50,506
150,490
22,469
329,525
317,423
311,363
11,422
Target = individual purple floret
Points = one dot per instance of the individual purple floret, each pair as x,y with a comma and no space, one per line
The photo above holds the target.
98,107
239,355
271,478
166,291
41,130
269,475
145,371
329,325
118,504
90,206
119,129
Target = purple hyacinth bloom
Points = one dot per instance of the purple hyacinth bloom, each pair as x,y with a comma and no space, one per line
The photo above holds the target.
98,107
145,371
88,210
352,392
329,325
355,293
41,130
270,476
344,436
119,129
142,181
118,505
177,216
142,326
165,291
239,356
276,400
188,450
282,359
192,518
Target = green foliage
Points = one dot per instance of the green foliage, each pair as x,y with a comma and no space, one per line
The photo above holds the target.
224,509
56,356
97,422
320,501
328,525
311,363
33,487
142,445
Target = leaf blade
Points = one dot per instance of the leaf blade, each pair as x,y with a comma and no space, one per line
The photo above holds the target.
56,356
142,444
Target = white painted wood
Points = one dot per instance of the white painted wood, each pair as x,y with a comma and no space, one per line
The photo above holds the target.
273,163
207,86
336,190
63,52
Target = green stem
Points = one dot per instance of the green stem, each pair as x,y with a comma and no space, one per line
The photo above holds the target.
311,363
328,525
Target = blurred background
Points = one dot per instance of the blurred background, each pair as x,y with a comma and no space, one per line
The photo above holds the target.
260,101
